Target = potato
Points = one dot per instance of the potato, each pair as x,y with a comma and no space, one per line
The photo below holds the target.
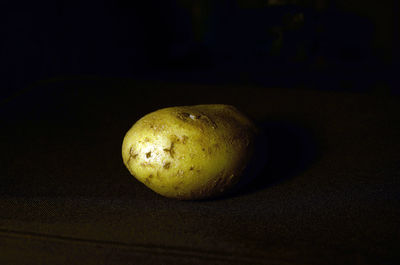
190,152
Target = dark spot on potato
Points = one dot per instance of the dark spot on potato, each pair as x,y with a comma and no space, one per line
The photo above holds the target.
148,179
191,168
132,153
184,139
176,188
203,149
183,116
167,165
148,154
170,150
218,182
208,121
187,117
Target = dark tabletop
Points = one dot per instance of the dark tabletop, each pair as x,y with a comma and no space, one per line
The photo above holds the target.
328,191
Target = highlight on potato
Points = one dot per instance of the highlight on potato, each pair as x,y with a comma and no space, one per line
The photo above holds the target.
190,152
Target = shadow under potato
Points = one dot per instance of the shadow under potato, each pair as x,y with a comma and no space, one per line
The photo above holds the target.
284,149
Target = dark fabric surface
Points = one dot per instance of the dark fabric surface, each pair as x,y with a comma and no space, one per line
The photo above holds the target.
328,192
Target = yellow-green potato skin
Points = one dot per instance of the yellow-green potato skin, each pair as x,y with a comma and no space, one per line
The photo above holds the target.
189,152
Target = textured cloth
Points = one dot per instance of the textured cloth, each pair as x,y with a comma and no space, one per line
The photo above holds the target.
328,191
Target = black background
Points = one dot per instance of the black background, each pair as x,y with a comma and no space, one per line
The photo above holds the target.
322,44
